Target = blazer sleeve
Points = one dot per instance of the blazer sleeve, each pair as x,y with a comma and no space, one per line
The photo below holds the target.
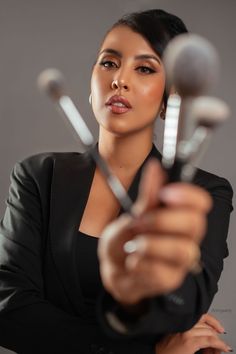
181,309
28,322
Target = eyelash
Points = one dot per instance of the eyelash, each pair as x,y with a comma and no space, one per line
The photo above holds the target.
144,69
111,64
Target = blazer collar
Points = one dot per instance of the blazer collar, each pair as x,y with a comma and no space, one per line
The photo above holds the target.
72,179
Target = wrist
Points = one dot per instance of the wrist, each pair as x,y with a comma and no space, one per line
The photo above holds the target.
134,310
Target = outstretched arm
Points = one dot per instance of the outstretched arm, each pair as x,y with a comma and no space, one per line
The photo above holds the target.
152,290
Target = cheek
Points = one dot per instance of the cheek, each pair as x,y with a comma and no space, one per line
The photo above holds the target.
95,86
98,85
153,93
98,91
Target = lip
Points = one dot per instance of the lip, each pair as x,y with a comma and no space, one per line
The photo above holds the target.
112,101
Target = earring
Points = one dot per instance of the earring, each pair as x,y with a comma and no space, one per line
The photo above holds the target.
90,98
163,114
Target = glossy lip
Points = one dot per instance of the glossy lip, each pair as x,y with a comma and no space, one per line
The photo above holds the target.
121,99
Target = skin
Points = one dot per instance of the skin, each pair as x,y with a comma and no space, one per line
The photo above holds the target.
132,277
166,250
125,72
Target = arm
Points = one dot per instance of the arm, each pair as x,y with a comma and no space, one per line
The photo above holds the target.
204,335
28,322
181,308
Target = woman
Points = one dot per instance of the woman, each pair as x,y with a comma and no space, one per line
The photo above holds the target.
59,205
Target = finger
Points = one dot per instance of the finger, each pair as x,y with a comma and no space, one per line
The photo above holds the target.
113,238
204,325
156,277
152,180
201,332
182,222
212,342
186,195
213,322
176,251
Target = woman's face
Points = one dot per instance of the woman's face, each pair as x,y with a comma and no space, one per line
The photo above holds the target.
127,84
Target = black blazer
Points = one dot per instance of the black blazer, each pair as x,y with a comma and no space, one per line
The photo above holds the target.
41,304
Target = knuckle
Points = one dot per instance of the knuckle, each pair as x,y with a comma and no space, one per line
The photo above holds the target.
204,198
175,281
196,224
182,249
188,253
210,341
208,201
157,278
195,256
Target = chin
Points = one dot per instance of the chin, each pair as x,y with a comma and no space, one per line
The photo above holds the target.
121,132
115,125
121,125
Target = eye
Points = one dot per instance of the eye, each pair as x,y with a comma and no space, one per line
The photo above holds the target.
108,64
145,70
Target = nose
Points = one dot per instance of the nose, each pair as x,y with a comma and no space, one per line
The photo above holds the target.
119,84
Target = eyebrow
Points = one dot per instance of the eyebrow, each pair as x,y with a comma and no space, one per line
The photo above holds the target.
141,56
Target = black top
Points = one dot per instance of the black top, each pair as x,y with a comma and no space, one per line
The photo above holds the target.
89,275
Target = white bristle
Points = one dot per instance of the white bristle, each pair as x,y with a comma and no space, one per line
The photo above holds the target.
192,64
209,111
51,81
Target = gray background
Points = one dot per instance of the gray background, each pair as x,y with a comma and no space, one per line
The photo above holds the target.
36,34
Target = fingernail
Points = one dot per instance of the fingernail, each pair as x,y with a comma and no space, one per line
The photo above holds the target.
134,245
131,246
222,330
138,209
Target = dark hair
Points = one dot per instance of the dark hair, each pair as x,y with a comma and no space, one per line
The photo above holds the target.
158,27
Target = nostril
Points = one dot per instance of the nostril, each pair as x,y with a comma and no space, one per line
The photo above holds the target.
114,84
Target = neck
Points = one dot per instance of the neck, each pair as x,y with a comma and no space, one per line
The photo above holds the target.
124,154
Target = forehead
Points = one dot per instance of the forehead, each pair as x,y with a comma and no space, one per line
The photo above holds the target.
125,40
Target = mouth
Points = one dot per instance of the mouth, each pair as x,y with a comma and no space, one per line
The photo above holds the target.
118,104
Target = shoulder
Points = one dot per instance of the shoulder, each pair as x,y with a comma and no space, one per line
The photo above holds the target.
37,170
217,186
44,162
47,159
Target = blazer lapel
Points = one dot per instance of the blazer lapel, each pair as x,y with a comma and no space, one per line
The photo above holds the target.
133,190
72,178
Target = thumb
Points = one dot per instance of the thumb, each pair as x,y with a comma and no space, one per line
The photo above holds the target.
153,178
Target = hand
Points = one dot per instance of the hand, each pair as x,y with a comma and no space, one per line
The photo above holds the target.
169,225
204,335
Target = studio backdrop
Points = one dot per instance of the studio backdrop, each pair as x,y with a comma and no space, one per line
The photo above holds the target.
66,34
